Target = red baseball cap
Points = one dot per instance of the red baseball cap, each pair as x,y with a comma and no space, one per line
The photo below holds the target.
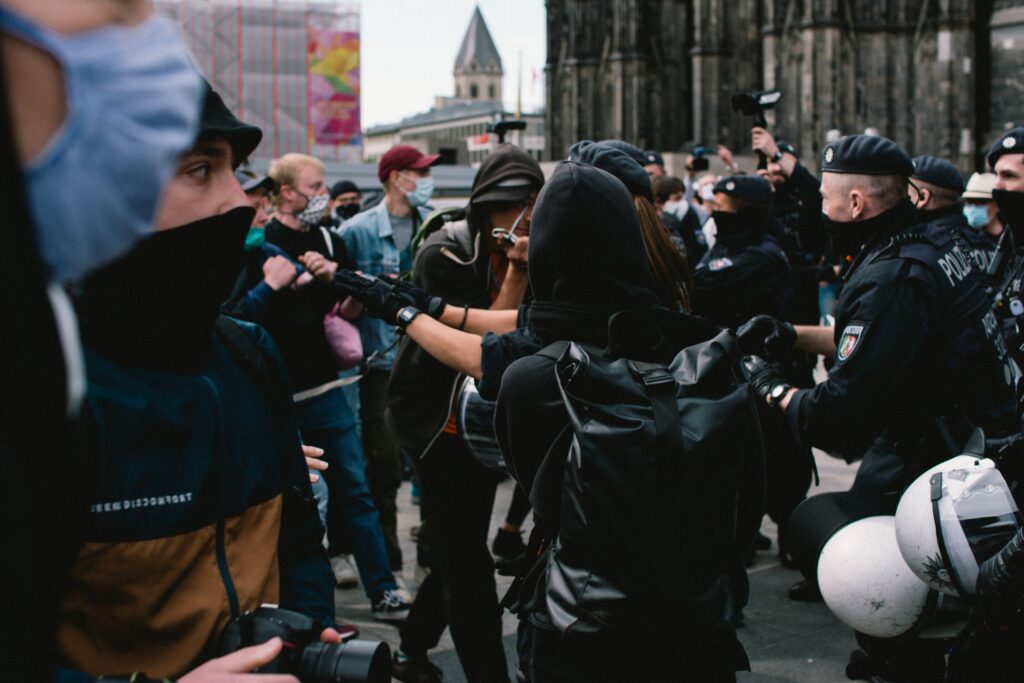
401,158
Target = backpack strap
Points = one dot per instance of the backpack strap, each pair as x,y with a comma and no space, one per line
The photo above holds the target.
660,386
554,350
256,363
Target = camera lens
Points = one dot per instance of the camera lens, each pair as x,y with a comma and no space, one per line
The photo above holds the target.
356,661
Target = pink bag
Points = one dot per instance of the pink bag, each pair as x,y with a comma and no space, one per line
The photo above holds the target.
342,335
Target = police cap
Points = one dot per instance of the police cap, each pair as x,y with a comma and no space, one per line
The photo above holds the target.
866,155
653,157
1012,142
754,189
938,172
786,148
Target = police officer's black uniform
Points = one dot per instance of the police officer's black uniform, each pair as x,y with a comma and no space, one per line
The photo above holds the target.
975,243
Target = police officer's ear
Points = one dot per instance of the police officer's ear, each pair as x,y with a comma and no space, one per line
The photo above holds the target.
919,195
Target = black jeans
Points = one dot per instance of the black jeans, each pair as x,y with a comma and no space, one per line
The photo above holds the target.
383,462
457,496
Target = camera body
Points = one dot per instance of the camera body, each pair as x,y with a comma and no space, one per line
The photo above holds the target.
700,161
303,655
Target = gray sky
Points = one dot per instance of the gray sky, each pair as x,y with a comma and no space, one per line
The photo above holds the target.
409,47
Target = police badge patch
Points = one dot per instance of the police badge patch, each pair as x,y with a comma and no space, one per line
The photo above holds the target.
849,341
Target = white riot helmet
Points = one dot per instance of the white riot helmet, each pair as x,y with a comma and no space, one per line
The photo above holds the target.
475,419
952,518
866,583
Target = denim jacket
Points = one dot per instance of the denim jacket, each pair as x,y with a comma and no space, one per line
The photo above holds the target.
370,243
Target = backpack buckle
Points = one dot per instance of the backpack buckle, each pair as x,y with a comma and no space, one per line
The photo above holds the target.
656,378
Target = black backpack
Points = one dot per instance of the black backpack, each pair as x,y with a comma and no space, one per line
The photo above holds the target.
664,459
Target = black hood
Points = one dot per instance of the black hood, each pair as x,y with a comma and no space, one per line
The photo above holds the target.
585,244
508,174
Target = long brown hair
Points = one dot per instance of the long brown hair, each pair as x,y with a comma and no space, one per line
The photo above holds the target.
669,267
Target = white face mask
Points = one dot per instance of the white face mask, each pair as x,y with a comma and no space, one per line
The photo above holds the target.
677,208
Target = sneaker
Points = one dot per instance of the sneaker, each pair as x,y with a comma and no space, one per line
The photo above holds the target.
403,589
345,575
415,670
508,544
389,606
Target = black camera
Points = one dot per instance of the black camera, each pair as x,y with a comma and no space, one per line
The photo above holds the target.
502,126
755,103
303,655
700,160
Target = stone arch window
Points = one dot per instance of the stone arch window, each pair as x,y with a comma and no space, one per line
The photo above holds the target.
490,91
474,91
458,90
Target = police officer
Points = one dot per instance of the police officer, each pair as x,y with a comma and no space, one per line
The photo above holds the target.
915,344
1006,157
747,273
936,188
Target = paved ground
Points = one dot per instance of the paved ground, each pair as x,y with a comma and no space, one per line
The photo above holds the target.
786,641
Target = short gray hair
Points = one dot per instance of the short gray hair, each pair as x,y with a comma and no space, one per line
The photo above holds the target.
886,190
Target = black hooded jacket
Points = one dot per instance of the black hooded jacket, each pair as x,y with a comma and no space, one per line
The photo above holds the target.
587,262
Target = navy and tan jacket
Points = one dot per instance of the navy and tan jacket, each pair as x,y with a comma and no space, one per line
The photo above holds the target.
199,508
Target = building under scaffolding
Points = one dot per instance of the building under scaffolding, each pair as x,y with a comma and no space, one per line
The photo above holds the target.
256,55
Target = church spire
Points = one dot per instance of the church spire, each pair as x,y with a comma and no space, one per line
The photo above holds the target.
478,68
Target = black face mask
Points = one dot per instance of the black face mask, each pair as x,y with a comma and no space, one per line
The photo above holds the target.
346,211
739,226
1011,211
848,238
155,307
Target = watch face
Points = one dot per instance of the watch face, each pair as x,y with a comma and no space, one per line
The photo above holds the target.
778,391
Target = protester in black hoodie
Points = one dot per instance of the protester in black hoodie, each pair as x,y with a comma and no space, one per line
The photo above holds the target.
587,262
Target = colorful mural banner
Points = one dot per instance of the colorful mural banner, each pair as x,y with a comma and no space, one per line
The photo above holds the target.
333,87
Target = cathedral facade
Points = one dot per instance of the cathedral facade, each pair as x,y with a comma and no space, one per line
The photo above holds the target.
940,77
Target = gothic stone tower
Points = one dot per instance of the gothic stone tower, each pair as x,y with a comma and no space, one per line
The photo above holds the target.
478,69
660,73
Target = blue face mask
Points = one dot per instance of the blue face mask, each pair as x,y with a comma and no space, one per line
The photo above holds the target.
255,238
423,192
133,103
976,215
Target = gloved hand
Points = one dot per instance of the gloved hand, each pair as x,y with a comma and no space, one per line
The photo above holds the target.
425,301
763,375
373,293
765,335
384,297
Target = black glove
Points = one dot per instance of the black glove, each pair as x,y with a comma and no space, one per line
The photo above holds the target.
765,335
384,297
424,301
763,375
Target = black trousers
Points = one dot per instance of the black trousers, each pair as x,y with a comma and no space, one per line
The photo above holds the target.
383,460
457,496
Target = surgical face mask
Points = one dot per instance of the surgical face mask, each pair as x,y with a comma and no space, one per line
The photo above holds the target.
423,192
976,215
255,238
316,207
133,103
677,209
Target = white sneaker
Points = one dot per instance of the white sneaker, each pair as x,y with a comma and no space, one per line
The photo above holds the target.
389,606
345,575
403,589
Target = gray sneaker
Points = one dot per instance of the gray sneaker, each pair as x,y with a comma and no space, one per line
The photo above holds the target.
345,575
389,606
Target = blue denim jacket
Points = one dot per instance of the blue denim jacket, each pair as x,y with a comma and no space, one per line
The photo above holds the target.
370,243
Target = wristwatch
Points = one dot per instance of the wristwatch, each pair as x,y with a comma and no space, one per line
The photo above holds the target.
777,392
406,316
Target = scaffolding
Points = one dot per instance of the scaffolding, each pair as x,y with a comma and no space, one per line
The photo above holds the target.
255,54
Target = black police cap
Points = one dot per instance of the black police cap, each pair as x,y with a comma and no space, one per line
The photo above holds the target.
786,148
866,155
614,161
938,172
752,188
1012,142
653,157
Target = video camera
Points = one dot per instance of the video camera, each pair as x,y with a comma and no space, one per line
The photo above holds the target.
501,126
303,655
700,160
755,103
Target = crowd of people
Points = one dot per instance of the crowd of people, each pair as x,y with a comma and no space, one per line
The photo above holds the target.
222,376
